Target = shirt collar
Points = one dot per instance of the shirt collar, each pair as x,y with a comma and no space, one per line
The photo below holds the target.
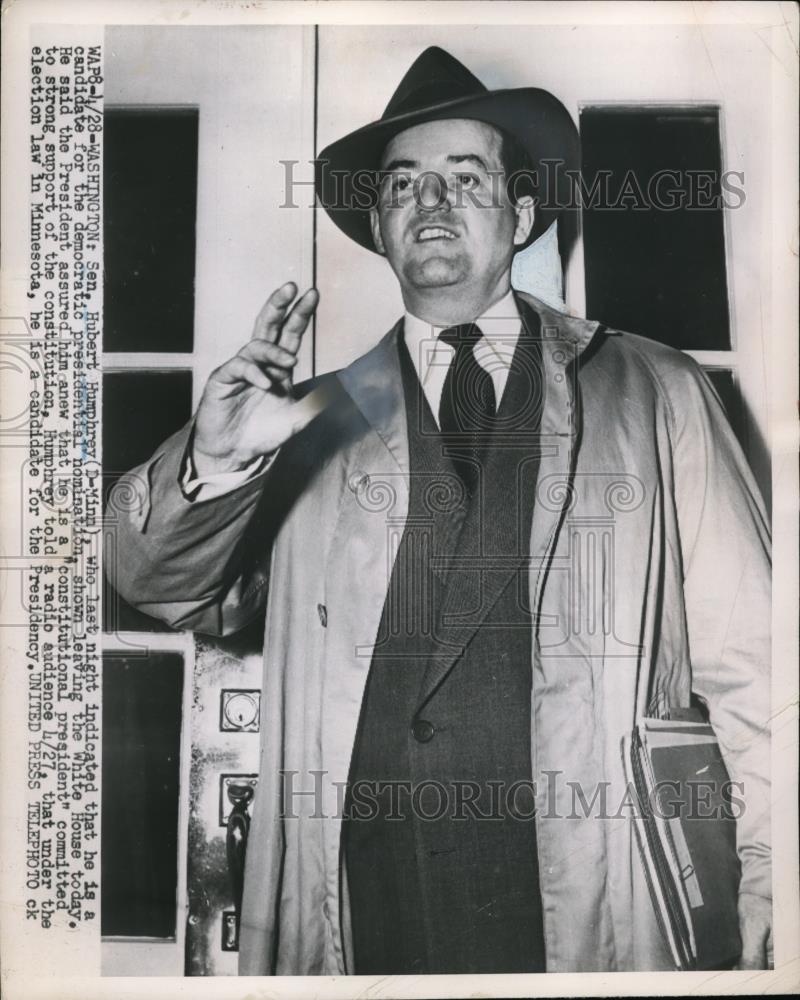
500,321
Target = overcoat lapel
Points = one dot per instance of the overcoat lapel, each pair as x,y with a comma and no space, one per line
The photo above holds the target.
375,384
563,340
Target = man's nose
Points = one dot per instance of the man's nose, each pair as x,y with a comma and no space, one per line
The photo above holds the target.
431,192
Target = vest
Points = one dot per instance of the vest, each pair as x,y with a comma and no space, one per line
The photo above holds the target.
439,838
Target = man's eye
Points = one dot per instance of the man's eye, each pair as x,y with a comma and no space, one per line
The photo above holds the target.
400,182
467,180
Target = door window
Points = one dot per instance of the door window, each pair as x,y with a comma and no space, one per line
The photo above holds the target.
142,700
653,220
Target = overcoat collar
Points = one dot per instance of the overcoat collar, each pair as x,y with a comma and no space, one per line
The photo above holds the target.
374,381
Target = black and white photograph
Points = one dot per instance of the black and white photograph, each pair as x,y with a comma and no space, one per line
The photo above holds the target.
403,410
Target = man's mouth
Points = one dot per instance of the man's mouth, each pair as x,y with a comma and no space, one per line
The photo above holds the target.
434,233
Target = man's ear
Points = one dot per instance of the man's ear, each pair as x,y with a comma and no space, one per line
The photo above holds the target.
525,213
375,225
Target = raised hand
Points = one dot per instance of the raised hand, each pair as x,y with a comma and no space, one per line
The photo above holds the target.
248,408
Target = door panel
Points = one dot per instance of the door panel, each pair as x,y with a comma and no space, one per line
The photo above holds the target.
225,725
230,103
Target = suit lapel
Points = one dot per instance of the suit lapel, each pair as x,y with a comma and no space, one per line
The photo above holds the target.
491,551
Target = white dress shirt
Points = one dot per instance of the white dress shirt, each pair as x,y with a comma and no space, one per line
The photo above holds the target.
500,327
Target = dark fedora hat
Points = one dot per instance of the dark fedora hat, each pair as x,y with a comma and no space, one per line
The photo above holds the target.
437,87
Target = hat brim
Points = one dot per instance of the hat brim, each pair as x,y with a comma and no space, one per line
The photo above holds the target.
538,121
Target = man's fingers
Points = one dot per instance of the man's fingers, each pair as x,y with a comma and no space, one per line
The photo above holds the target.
280,376
270,320
272,324
265,353
273,359
239,369
295,325
261,364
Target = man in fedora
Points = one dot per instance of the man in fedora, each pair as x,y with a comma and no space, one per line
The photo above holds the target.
491,545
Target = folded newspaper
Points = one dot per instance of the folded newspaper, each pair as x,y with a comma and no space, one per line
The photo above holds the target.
686,831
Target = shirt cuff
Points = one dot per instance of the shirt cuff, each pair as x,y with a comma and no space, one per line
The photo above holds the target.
198,488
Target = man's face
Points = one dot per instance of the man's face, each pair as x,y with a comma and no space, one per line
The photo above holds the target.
444,218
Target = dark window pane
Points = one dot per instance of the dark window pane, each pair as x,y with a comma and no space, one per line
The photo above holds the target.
140,410
650,270
142,699
728,391
149,209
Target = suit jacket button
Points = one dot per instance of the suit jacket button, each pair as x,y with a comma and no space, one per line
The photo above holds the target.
322,611
422,730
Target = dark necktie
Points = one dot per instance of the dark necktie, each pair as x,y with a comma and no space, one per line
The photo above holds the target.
468,406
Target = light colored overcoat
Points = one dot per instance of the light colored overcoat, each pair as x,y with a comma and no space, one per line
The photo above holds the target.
648,574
